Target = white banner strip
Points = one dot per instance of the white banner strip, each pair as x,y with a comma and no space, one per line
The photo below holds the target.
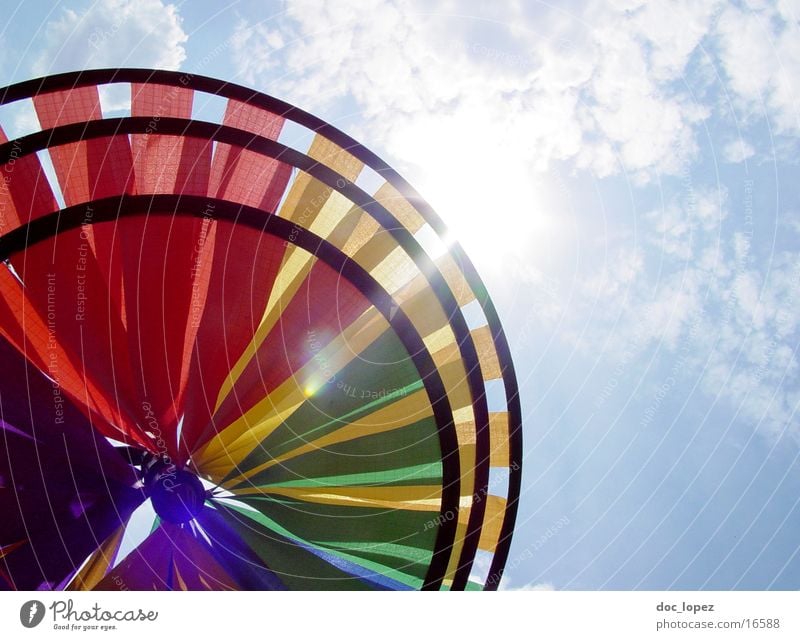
385,616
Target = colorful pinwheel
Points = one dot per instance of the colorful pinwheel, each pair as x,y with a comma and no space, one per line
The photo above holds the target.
232,360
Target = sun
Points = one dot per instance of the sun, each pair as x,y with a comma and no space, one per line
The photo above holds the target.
495,216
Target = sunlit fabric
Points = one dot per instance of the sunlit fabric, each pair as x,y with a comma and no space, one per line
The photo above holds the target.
232,362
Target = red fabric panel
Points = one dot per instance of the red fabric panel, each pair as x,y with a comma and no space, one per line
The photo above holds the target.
243,267
163,258
168,164
325,303
25,192
90,170
86,317
245,264
243,176
38,336
85,302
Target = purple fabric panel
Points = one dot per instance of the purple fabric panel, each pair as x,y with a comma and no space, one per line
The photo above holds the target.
238,559
63,487
32,404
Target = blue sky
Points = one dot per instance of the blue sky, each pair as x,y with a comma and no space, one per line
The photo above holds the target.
624,174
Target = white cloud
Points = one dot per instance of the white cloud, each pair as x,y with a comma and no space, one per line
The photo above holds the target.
737,151
601,85
254,48
588,88
146,33
753,365
506,585
482,111
683,227
701,300
477,111
760,54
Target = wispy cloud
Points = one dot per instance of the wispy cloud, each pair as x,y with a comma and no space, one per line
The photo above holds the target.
484,109
737,151
596,87
760,54
507,585
111,33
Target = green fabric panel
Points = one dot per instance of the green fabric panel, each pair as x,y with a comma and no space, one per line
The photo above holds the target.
385,453
407,560
274,559
400,551
296,567
336,524
383,368
423,474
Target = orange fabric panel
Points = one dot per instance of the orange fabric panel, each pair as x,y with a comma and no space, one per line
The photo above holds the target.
35,333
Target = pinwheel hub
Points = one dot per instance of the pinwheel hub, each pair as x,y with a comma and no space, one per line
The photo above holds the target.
177,494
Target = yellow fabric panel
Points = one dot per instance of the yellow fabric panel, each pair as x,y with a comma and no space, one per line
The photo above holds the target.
98,563
231,446
342,349
395,270
306,198
466,456
492,523
454,377
444,341
455,382
375,250
365,227
464,420
458,544
296,266
233,442
312,205
465,506
333,156
391,199
405,411
487,354
490,531
425,312
465,425
409,498
498,431
455,279
350,231
181,582
330,215
412,288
